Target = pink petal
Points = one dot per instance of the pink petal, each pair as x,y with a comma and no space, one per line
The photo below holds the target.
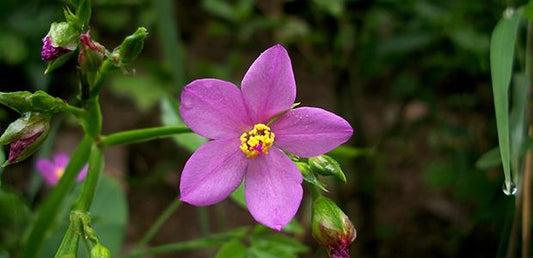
273,189
309,132
61,160
214,109
213,172
268,86
82,174
47,170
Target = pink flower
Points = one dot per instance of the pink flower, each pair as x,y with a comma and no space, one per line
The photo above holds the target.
52,170
251,129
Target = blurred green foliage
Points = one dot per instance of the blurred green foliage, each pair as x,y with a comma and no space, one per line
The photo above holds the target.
413,184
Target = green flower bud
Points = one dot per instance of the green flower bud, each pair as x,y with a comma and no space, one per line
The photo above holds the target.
327,166
309,176
100,251
25,135
331,228
130,48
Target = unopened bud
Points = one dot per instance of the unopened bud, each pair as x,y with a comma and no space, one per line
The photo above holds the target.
131,47
100,251
25,135
91,55
331,228
60,39
327,166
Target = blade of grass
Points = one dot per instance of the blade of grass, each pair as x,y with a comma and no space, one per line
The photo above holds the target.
502,46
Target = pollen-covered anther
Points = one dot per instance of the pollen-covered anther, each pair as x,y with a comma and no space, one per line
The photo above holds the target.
257,141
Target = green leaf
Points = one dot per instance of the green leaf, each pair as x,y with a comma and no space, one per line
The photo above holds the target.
490,159
232,249
275,245
14,219
109,214
170,117
501,64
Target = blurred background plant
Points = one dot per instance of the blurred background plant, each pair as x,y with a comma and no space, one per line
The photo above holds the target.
412,77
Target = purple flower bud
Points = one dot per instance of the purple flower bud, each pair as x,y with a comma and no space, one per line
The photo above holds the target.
331,228
49,52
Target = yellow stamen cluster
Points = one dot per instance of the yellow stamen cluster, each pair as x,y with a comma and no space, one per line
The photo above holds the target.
256,141
59,172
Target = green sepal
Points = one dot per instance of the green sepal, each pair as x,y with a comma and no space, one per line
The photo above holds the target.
58,62
100,251
326,166
309,176
25,101
64,34
130,48
83,13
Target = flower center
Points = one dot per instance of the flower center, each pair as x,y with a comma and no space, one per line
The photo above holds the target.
59,172
256,141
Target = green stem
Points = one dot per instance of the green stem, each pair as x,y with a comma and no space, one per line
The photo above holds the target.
96,166
78,112
105,69
210,241
159,223
49,210
141,135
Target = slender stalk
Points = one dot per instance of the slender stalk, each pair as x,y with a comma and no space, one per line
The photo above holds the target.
141,135
105,69
210,241
74,110
159,223
526,202
50,208
203,219
96,166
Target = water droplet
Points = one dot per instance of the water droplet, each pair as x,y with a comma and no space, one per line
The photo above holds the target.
508,13
509,188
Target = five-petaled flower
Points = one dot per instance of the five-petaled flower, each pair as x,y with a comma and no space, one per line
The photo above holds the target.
251,128
53,169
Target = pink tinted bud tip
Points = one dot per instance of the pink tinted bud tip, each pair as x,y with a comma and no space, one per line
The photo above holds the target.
49,52
17,147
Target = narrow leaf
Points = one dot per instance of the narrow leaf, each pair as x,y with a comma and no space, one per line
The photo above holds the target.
501,63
